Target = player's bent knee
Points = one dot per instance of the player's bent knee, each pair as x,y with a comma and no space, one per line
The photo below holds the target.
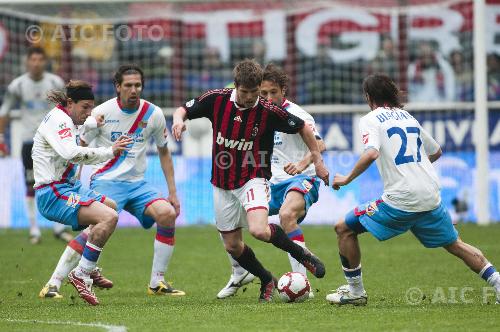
288,217
165,217
110,218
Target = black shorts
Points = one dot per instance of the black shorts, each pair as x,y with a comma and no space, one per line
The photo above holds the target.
29,176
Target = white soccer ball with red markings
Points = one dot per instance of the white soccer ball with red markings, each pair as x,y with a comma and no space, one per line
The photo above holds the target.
293,287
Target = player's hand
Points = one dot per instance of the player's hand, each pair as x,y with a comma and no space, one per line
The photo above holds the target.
121,144
172,198
292,169
339,180
322,172
177,130
100,120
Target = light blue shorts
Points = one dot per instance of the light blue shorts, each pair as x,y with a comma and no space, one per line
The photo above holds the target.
308,186
60,202
432,228
133,197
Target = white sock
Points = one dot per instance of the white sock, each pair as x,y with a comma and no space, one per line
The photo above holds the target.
236,269
296,266
31,209
355,283
86,266
494,281
162,254
69,259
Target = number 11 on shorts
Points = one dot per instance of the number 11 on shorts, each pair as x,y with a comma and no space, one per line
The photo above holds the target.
250,195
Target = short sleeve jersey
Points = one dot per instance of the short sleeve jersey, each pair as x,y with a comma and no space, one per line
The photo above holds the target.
243,138
410,181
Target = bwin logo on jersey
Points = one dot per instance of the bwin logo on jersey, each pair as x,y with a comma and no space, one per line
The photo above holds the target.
234,144
115,135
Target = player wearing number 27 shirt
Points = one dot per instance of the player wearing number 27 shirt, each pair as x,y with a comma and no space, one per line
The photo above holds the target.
404,153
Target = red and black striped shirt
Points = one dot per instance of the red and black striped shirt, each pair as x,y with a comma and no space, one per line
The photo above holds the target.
243,139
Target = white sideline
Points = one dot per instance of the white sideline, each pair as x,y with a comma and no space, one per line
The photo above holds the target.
110,328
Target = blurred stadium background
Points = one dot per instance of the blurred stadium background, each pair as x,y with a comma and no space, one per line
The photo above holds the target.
327,47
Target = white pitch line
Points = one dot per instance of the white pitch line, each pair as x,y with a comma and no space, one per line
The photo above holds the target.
109,328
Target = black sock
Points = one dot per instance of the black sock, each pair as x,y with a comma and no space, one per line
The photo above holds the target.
249,262
280,240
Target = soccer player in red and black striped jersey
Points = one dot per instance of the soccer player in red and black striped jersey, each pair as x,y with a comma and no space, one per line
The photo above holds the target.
243,137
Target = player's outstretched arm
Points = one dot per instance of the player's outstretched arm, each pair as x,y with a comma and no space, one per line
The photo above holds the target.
308,136
167,167
366,159
179,124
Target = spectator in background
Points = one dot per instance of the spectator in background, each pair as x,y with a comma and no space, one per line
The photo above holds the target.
493,64
259,51
214,73
430,76
464,77
317,79
386,60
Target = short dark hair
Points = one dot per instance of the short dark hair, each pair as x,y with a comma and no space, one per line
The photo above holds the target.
128,69
248,73
382,90
277,75
35,50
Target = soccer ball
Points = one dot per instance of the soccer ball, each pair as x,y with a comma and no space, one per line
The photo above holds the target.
293,287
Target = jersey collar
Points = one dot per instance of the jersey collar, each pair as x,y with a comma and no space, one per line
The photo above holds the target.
61,107
285,103
125,110
233,99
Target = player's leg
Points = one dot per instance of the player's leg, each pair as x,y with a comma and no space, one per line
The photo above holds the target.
104,220
230,217
260,229
239,278
435,229
254,198
69,260
476,261
244,255
291,211
163,213
370,217
35,234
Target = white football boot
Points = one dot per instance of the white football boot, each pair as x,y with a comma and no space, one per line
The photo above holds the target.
235,283
343,296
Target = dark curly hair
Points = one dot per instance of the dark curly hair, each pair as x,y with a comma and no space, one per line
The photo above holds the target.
248,73
277,75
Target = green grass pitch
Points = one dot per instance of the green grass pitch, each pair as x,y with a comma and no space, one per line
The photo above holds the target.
451,296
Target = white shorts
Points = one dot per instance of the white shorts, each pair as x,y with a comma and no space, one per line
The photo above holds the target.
231,206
